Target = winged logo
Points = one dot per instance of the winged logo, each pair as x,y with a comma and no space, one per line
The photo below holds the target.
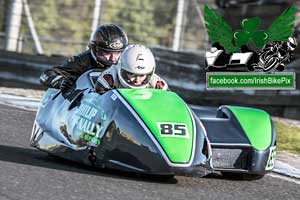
219,31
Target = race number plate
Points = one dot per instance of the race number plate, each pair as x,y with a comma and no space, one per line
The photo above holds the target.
168,129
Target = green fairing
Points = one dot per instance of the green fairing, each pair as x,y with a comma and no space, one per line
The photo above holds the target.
154,106
256,124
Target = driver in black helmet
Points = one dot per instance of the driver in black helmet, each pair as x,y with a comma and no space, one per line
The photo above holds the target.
105,48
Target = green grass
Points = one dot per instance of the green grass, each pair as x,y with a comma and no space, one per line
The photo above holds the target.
288,137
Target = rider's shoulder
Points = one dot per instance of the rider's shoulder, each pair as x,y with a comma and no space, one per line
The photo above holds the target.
81,57
86,53
111,70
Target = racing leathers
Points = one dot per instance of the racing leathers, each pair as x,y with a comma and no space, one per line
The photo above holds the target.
109,79
64,76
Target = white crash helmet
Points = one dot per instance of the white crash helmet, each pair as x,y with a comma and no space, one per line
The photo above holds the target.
292,43
136,60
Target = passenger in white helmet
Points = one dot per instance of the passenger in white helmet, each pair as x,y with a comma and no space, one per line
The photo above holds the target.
135,69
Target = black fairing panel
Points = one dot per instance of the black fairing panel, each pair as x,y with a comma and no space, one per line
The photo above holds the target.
204,111
224,131
221,126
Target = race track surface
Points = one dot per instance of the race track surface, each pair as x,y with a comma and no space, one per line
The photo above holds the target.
28,174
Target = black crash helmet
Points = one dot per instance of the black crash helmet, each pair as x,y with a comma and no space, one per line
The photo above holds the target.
108,37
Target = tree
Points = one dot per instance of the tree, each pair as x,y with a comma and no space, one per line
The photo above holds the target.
165,19
145,21
3,6
64,21
57,21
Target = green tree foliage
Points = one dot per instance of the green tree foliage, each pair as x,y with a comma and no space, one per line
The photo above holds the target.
193,30
62,20
165,20
140,23
2,15
147,22
3,11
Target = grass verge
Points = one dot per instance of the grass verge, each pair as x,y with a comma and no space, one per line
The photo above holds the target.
288,135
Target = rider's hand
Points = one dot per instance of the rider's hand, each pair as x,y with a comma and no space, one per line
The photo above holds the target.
56,82
66,85
50,79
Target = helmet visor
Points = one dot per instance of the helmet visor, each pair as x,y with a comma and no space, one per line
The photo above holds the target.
135,80
108,57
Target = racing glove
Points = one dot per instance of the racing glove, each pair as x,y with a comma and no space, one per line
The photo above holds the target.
50,79
66,85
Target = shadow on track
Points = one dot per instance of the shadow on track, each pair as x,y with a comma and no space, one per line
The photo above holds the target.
34,157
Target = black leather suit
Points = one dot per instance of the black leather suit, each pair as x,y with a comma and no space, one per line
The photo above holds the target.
66,74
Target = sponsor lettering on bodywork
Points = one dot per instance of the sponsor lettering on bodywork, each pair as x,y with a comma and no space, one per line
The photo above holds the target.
86,124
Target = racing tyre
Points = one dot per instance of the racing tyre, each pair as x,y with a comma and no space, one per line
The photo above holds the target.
271,63
280,68
251,67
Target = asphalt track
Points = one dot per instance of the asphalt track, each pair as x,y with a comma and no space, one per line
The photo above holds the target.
26,173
